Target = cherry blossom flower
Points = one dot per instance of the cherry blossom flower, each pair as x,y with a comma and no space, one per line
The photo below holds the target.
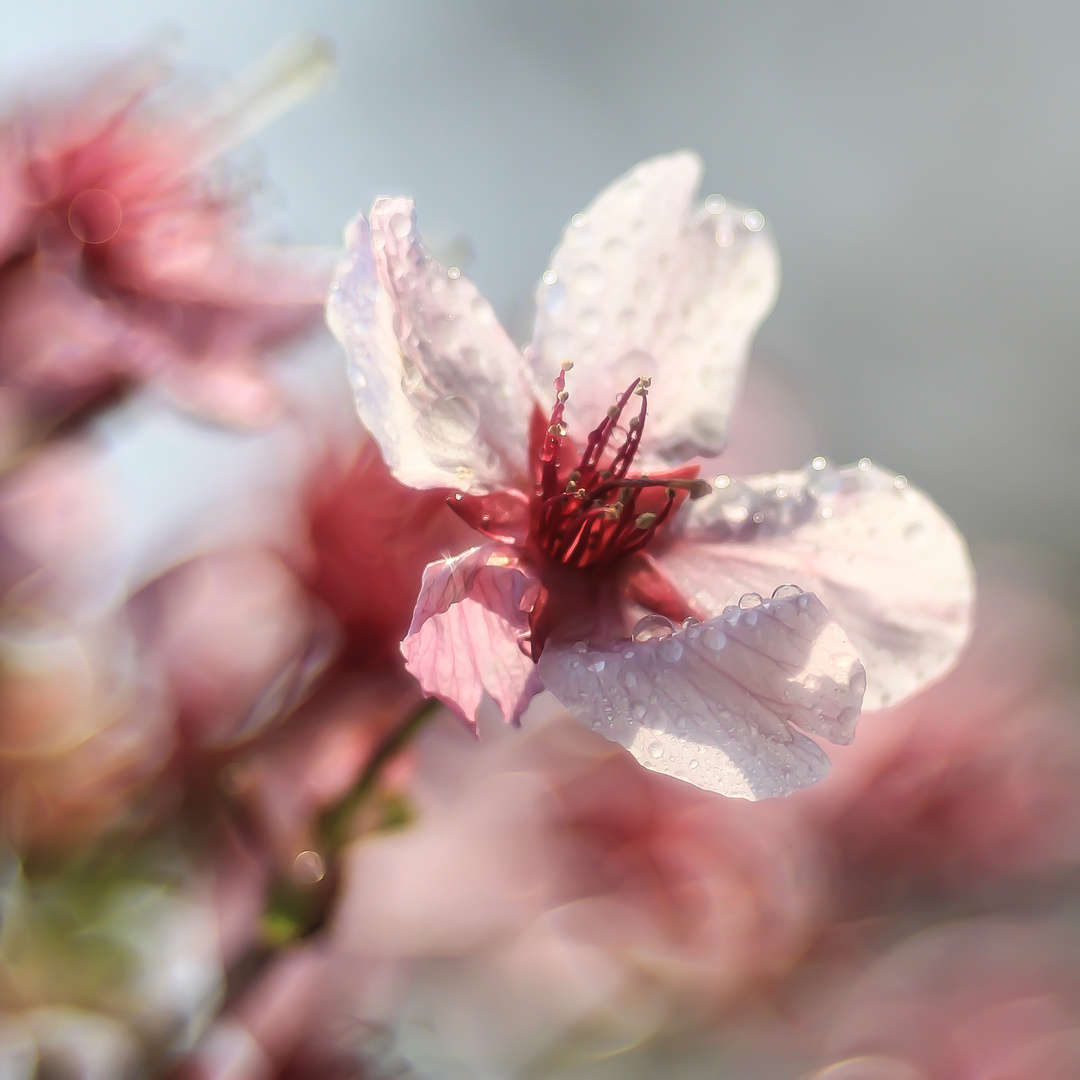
580,461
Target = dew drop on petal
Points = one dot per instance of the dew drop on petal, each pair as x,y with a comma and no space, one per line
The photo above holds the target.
900,482
818,463
715,204
578,221
549,277
689,622
580,647
783,591
724,236
693,763
453,272
749,600
754,220
451,420
826,512
714,638
638,712
595,663
721,482
652,628
670,650
656,750
865,464
590,279
308,868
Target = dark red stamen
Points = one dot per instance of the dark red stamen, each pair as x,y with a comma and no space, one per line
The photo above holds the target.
594,513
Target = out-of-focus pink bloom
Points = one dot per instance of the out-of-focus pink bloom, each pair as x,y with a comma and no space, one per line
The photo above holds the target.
593,546
84,732
121,254
973,780
987,999
554,897
372,538
239,640
290,776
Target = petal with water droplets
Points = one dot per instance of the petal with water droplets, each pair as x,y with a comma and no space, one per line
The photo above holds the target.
887,563
437,380
471,618
719,704
641,285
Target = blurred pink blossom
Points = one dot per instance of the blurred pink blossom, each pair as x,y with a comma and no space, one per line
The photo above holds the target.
974,780
122,257
987,999
593,547
553,895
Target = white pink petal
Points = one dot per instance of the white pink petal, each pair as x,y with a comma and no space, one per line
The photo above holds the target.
468,630
438,382
718,703
642,285
887,563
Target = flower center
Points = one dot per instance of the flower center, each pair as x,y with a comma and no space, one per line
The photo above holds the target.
587,510
592,512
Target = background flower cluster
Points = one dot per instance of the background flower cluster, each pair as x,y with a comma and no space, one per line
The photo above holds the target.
236,842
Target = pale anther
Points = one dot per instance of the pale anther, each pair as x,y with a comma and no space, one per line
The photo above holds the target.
643,521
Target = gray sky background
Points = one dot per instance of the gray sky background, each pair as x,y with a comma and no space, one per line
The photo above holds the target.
919,163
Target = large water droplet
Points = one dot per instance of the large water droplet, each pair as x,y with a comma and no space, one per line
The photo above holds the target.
670,650
595,663
656,750
714,638
652,628
589,279
449,420
749,600
781,592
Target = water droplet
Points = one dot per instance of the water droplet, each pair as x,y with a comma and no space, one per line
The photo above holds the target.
630,680
335,286
638,712
900,482
865,464
589,279
595,663
749,600
754,220
693,763
818,463
308,868
715,204
714,638
580,647
653,628
826,512
759,517
549,277
590,322
656,750
670,650
724,237
578,221
401,225
722,482
453,273
689,622
449,420
781,592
